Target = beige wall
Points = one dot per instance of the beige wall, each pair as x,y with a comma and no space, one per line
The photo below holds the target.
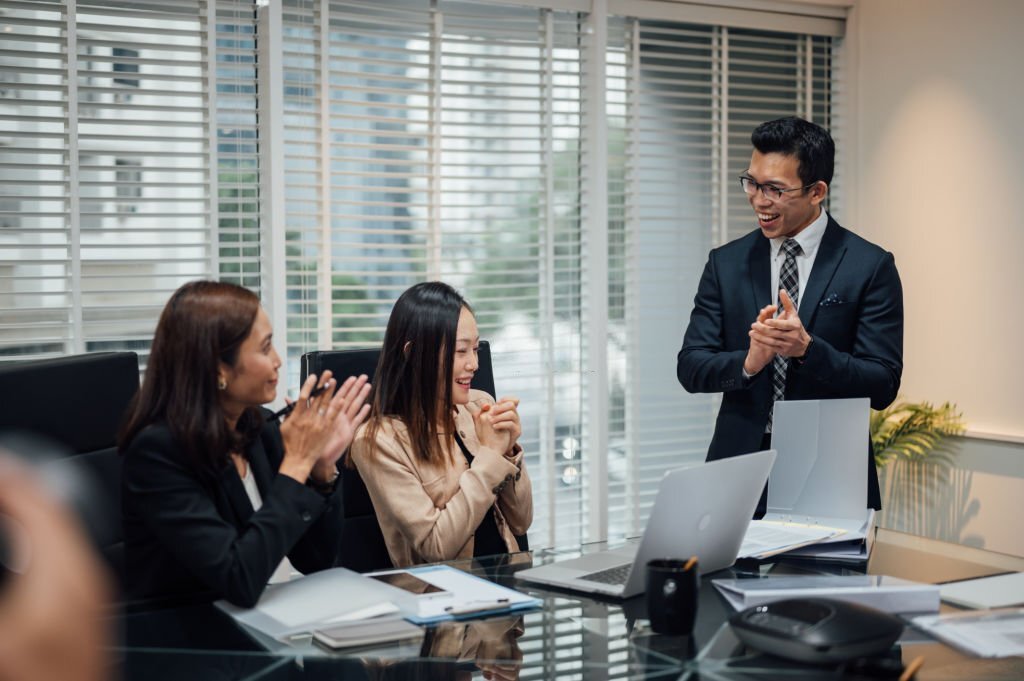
940,133
939,180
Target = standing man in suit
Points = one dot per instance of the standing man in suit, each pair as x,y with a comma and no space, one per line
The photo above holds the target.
798,309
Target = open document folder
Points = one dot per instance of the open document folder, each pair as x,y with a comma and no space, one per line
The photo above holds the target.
818,485
311,601
340,595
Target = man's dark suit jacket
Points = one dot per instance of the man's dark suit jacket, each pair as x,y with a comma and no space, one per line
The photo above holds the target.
186,535
853,309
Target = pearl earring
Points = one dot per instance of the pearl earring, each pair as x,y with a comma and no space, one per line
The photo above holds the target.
222,384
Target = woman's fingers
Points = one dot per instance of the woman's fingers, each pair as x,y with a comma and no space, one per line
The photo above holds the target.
302,403
345,388
361,389
351,395
364,411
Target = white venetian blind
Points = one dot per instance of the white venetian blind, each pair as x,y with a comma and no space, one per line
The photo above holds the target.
683,100
235,149
443,144
35,230
141,162
109,166
510,226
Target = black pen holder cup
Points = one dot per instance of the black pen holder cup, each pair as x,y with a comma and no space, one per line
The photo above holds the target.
672,596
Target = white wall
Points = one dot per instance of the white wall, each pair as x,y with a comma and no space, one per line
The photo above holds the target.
939,177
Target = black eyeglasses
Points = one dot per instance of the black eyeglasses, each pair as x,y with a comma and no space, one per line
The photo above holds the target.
769,190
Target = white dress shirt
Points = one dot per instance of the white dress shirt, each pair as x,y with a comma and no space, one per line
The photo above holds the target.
809,239
284,570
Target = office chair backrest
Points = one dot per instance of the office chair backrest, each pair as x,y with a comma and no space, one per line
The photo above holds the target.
78,402
363,547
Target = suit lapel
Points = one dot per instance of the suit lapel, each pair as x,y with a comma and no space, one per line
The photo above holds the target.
760,275
234,490
830,254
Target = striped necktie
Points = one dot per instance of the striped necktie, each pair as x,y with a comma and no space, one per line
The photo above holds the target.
789,279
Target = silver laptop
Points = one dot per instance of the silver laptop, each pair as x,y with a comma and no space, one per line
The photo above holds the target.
702,511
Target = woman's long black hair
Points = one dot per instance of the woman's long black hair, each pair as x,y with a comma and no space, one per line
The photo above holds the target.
414,375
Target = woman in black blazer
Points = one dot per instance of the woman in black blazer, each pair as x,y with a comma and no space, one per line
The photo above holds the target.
215,492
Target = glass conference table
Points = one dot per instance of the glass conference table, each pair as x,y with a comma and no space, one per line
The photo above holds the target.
571,636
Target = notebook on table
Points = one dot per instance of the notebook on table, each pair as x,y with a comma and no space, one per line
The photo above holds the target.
701,510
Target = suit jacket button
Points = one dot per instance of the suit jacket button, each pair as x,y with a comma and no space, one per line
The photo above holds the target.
462,433
306,516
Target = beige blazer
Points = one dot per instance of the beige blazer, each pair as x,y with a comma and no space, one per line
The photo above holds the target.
429,512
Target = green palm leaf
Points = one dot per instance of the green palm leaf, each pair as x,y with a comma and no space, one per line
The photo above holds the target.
912,430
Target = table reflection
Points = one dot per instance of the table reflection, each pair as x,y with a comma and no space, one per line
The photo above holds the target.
450,650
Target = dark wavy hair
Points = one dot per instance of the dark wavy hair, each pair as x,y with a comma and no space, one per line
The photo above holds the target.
203,324
413,382
810,143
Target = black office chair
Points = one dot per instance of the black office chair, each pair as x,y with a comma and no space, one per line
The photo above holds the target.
78,402
361,527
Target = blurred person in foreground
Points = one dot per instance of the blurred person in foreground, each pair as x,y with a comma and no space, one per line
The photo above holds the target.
441,461
53,618
217,493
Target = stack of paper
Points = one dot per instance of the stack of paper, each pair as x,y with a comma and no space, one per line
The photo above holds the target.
878,591
994,633
367,632
766,538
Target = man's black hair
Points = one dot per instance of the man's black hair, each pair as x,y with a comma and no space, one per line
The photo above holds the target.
810,143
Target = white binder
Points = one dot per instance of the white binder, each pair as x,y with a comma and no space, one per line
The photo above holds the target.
820,476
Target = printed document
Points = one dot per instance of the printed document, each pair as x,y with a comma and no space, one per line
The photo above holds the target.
766,538
993,633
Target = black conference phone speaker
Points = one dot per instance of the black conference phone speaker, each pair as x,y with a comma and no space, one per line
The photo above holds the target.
816,630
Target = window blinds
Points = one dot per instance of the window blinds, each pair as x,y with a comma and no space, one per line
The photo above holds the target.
112,189
683,100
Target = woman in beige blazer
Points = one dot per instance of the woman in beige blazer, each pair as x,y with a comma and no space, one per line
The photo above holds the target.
441,461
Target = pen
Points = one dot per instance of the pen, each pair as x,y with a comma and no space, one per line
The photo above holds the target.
912,668
287,409
476,606
982,616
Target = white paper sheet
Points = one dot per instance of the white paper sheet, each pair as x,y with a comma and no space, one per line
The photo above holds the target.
766,538
986,592
993,633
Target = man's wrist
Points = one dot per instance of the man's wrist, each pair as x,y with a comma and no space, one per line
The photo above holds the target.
807,348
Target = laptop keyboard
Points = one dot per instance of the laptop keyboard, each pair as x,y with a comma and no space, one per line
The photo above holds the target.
613,575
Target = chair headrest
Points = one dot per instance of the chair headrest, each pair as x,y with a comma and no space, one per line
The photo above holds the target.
77,400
